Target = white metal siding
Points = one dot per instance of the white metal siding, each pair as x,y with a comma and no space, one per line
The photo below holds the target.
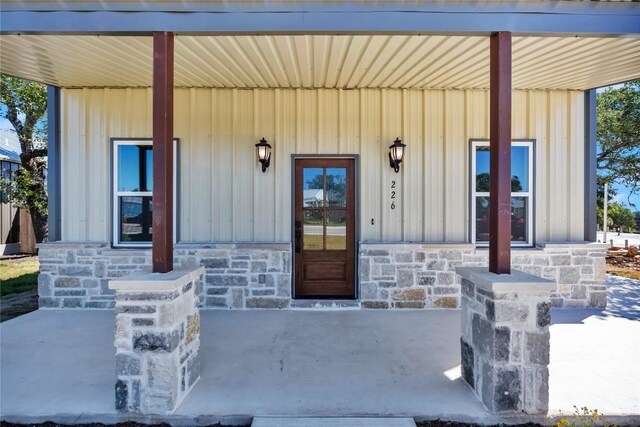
224,196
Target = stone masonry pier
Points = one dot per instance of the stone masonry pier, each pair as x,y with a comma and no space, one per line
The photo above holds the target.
157,339
505,339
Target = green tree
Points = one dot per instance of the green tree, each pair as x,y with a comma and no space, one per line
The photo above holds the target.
336,187
26,104
622,217
618,135
482,182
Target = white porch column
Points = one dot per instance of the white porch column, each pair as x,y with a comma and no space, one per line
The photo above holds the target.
157,339
505,339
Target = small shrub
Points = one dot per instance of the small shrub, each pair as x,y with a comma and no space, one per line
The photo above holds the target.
582,417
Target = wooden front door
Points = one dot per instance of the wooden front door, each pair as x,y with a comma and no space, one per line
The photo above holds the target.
324,228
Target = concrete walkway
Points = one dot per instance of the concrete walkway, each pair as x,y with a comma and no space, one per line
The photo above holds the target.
595,354
332,422
632,238
59,365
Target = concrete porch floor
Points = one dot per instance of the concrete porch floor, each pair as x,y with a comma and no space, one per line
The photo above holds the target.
59,365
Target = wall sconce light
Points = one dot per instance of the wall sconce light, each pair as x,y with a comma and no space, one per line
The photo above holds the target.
263,151
396,153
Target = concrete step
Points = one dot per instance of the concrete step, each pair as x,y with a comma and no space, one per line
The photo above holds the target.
332,422
324,304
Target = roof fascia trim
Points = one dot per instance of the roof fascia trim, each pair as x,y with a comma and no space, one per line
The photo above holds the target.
555,7
353,22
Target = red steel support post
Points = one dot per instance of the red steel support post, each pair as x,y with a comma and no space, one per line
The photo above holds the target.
500,154
162,251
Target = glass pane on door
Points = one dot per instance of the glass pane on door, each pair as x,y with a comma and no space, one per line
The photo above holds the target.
336,231
313,230
313,187
336,187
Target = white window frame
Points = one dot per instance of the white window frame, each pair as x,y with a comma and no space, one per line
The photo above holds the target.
116,143
528,194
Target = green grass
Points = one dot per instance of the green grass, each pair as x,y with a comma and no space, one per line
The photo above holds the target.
314,242
18,276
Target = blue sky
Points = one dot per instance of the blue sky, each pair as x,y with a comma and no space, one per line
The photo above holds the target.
9,138
519,164
623,197
129,169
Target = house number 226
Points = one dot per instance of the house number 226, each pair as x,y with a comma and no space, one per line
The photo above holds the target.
393,195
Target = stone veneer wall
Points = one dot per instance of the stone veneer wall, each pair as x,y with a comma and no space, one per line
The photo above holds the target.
76,275
423,275
242,276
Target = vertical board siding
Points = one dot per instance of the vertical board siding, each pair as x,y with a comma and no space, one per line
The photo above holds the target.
73,163
538,130
390,220
456,169
433,199
558,165
97,184
413,166
244,166
575,149
370,152
223,196
264,183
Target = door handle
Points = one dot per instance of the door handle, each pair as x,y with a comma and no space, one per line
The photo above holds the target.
298,235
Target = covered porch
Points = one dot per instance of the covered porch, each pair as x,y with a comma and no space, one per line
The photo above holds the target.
319,80
322,363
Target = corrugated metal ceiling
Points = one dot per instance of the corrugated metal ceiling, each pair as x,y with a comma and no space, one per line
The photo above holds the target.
328,61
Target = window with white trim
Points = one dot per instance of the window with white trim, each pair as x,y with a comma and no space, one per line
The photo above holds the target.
133,191
521,193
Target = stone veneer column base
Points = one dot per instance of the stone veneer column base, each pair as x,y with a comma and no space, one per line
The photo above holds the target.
505,339
157,339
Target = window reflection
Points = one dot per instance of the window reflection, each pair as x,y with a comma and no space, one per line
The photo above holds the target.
519,213
336,230
313,187
135,218
482,219
337,187
324,226
519,169
519,221
135,168
313,230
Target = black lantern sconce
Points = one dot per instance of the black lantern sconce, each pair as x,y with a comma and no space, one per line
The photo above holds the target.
263,151
396,154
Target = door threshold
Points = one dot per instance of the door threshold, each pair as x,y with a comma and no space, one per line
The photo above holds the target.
325,304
